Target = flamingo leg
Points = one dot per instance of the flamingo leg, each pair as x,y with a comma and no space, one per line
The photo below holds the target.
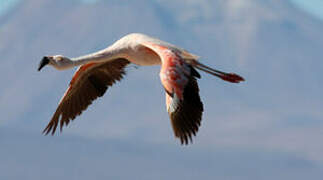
230,77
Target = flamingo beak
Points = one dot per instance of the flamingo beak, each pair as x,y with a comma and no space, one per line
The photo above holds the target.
43,63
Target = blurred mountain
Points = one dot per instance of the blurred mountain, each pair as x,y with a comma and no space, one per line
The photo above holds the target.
272,122
275,46
265,36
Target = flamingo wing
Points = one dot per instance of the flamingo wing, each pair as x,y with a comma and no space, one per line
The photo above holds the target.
183,102
89,82
185,114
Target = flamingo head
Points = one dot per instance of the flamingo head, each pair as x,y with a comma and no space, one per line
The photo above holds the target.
58,61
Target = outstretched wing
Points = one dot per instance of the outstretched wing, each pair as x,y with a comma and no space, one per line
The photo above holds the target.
185,113
183,102
89,82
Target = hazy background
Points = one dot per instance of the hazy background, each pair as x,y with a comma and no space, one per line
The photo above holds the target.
269,127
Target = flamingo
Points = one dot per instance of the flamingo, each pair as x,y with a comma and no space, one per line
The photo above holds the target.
100,70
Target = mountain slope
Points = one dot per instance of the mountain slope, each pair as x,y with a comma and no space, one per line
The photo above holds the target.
276,47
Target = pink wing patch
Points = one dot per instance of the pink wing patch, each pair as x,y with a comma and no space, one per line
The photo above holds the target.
174,71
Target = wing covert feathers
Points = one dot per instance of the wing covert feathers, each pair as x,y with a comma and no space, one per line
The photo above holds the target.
84,89
186,114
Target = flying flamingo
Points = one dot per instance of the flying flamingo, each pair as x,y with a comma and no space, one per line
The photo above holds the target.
100,70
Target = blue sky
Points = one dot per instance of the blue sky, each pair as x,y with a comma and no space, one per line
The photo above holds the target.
312,6
6,5
269,127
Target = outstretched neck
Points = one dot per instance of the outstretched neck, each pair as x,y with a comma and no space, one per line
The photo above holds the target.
104,55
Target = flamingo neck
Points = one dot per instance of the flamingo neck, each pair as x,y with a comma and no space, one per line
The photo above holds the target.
105,55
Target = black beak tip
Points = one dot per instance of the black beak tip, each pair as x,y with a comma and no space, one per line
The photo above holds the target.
43,63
